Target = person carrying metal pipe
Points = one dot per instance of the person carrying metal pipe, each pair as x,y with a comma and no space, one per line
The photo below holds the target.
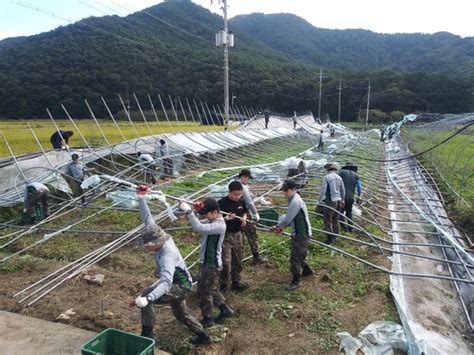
297,217
78,172
232,248
36,193
250,229
210,258
175,281
351,181
60,139
331,198
147,166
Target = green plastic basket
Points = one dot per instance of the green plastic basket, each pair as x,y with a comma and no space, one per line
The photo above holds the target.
115,342
268,217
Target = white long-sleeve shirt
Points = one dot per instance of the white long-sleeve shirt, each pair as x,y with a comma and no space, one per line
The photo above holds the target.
144,160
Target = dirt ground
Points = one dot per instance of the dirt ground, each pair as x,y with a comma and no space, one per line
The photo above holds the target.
342,296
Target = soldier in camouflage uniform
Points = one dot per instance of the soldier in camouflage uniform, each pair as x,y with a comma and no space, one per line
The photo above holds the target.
210,259
250,229
175,281
297,218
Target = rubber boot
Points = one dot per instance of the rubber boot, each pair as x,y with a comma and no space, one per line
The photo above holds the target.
239,286
226,312
201,339
207,322
294,284
307,271
329,240
258,259
147,332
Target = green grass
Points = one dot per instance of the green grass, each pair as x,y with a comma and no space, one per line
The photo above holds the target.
452,168
22,141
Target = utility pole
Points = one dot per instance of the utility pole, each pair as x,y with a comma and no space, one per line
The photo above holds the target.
339,110
320,90
368,105
226,40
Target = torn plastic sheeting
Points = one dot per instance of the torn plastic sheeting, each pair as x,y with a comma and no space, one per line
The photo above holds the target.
356,211
128,199
318,163
378,338
265,174
218,191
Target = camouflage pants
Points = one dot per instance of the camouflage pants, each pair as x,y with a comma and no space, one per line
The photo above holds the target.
34,198
299,252
176,298
331,219
250,231
232,251
207,293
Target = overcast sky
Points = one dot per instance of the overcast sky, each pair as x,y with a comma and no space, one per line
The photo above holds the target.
386,16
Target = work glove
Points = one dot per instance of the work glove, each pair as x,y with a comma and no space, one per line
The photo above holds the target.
24,210
359,201
141,302
142,190
276,229
256,217
183,206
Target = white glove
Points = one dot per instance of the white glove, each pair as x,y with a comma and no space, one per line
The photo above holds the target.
256,217
141,302
184,206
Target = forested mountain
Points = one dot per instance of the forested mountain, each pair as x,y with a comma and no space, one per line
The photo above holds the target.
169,49
441,52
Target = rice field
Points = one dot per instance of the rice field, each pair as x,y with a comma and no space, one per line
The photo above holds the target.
22,141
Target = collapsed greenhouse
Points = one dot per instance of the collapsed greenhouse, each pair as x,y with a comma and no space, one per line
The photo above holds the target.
402,218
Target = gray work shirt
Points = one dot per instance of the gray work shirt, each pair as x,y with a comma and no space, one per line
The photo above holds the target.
77,171
332,186
297,217
212,237
168,259
248,198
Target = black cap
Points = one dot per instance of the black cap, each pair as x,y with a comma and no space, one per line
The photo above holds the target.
246,172
288,185
210,204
